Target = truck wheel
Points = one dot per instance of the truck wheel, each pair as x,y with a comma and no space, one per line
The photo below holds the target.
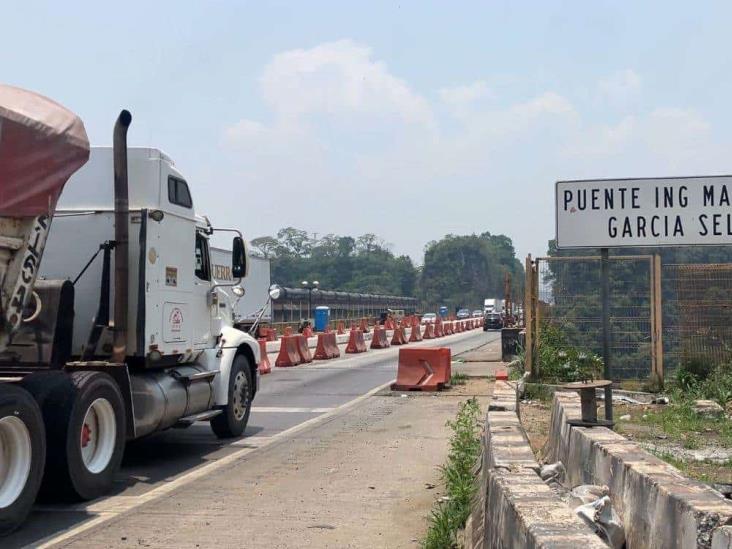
22,455
233,420
85,421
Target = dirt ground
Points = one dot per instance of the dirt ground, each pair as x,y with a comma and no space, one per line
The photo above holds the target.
700,454
535,415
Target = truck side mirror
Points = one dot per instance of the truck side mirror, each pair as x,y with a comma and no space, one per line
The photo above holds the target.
239,260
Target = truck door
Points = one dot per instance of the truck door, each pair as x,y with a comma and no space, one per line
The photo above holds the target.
201,300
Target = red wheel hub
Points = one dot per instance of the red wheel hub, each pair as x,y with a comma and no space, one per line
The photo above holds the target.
85,435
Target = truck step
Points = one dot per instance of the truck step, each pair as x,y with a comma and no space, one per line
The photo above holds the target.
202,416
198,376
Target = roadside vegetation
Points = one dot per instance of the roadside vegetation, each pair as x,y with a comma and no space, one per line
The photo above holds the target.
680,425
458,378
451,512
560,362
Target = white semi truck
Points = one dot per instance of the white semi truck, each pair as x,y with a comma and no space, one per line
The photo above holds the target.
493,306
254,306
123,330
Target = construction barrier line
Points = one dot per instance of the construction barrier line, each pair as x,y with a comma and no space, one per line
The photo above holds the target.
356,343
264,365
288,355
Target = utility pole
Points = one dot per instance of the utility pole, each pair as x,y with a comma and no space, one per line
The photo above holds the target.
507,304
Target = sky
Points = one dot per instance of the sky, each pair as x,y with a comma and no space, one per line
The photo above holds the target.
410,120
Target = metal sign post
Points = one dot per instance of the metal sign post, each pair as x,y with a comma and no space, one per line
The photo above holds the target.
605,298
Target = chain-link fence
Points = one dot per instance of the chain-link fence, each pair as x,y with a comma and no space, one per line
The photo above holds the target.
697,314
568,297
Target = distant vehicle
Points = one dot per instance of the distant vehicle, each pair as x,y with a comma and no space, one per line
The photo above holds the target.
429,318
492,321
477,313
444,312
492,305
463,313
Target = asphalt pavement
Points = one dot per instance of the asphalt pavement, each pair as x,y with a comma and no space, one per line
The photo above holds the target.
289,400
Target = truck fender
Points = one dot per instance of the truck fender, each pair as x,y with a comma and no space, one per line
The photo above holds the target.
232,343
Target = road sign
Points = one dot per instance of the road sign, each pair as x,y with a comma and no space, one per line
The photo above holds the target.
615,213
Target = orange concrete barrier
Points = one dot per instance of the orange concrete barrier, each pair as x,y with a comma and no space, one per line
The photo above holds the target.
288,355
429,331
268,334
302,348
400,336
326,347
288,331
416,334
264,365
423,369
307,331
364,326
447,328
341,328
379,339
438,329
356,343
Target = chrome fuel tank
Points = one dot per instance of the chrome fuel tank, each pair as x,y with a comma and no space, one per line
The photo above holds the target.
161,398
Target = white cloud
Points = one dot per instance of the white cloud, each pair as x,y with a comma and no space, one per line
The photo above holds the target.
460,95
352,148
620,87
336,78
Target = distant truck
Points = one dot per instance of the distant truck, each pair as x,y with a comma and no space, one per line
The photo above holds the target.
256,285
122,330
493,305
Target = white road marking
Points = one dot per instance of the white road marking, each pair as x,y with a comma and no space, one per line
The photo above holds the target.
294,410
112,507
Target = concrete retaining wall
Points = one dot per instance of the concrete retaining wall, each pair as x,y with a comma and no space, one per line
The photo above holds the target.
514,507
659,507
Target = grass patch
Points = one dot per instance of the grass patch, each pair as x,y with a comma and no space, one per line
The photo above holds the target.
679,421
458,379
703,471
537,391
447,517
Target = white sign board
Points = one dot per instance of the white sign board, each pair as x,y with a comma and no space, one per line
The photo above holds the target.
613,213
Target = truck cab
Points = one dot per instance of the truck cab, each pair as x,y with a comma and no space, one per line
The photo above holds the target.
122,329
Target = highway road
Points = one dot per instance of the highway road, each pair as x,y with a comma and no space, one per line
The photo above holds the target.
289,401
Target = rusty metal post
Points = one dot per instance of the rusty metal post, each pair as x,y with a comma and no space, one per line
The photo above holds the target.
528,316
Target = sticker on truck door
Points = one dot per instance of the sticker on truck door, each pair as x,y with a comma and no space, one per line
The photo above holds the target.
174,322
171,276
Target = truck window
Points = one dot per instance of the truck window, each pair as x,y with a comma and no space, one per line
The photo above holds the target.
178,192
203,265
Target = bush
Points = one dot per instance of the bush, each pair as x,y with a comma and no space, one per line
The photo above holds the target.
697,380
560,362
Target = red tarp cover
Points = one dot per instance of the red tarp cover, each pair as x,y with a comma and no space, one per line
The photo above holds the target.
41,145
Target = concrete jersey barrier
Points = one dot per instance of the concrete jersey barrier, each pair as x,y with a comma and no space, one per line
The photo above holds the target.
514,507
660,507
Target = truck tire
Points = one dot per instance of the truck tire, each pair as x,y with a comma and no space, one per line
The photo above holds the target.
235,416
22,455
85,436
